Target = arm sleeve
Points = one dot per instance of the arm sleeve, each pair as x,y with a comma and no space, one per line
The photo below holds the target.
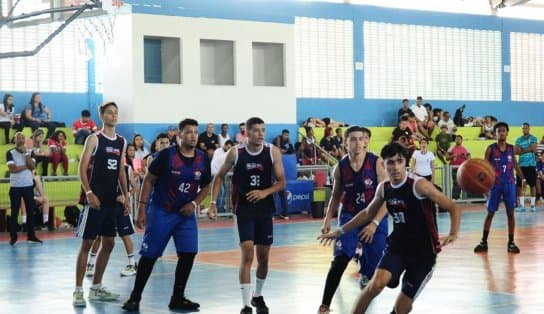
207,178
9,157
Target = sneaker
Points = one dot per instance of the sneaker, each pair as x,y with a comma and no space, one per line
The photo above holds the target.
513,248
246,310
323,309
481,248
78,300
533,209
101,294
34,239
12,240
260,306
520,209
130,270
363,281
89,272
182,303
283,217
132,305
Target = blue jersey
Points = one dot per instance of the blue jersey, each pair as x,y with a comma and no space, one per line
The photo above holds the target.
359,186
179,178
503,163
104,167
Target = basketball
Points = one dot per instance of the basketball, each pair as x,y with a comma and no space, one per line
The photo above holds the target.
475,176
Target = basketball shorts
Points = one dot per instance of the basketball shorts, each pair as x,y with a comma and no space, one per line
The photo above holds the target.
257,228
417,268
124,223
502,191
161,225
530,176
95,222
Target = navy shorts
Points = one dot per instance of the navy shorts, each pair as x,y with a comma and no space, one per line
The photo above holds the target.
124,223
256,228
97,222
530,175
504,191
161,225
417,268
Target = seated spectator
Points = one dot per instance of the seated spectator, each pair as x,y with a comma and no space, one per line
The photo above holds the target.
443,141
424,124
6,116
83,127
405,110
451,128
171,133
42,154
283,142
429,124
487,128
218,159
323,123
339,140
412,125
437,115
403,135
241,136
208,141
57,145
36,115
328,144
307,148
224,135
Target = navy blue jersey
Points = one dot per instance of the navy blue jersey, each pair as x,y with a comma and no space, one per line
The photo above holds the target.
104,167
359,186
252,171
503,163
179,178
414,218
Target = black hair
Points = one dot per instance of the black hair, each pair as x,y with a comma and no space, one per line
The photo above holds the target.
459,135
526,124
356,128
393,149
161,135
252,121
405,100
5,101
55,135
185,122
104,106
419,98
85,113
228,142
284,131
134,140
500,124
224,124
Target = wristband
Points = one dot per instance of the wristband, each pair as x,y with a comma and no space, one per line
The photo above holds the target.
213,202
194,203
142,202
376,222
89,192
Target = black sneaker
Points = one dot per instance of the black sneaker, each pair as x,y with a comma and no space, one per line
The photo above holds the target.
258,303
34,239
246,310
513,248
481,248
182,303
12,240
132,305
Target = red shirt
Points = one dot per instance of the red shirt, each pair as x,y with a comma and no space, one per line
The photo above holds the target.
54,144
460,154
78,124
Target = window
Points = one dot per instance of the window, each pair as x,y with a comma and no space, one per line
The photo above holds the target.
435,62
216,62
162,60
268,66
527,66
324,58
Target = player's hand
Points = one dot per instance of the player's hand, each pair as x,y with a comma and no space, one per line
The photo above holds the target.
367,234
326,228
93,201
140,222
120,199
255,196
212,211
448,239
328,238
128,207
187,209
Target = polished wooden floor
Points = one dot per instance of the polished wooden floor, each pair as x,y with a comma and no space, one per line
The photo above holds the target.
40,278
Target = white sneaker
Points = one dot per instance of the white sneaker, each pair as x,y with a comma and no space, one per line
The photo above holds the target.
101,294
78,300
130,270
533,209
89,272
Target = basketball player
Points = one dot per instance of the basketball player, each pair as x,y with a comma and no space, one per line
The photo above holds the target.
179,177
501,157
413,245
255,164
100,171
355,180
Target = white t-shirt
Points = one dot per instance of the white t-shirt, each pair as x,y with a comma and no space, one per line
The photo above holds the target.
419,112
218,158
222,139
422,166
449,124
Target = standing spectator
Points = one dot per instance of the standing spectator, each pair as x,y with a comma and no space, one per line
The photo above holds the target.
422,162
456,156
172,137
283,142
217,161
208,141
224,135
6,115
448,122
443,141
20,165
241,137
139,154
405,110
41,154
526,148
57,145
37,114
83,127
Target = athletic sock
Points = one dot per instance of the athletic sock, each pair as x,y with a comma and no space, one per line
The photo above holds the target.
533,200
259,287
142,275
246,293
522,202
131,259
92,258
23,219
183,270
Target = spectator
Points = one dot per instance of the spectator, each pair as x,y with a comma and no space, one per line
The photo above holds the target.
437,115
403,135
208,141
41,202
323,123
451,128
540,174
526,148
161,142
224,135
443,141
429,124
456,156
405,110
41,154
422,116
218,159
307,148
37,114
57,145
171,133
6,115
241,136
283,142
458,116
412,125
422,162
328,145
487,128
139,154
83,127
339,139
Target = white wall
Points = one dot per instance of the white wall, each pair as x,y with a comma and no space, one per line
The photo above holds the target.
167,103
